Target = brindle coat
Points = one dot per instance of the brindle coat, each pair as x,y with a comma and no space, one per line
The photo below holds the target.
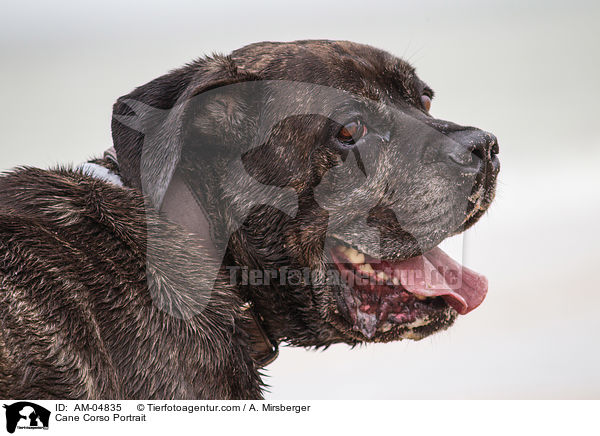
82,311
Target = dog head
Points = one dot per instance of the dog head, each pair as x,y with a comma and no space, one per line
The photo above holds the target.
315,168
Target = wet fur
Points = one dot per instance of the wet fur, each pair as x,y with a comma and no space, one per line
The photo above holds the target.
76,313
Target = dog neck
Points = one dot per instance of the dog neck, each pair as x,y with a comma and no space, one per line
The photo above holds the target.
182,207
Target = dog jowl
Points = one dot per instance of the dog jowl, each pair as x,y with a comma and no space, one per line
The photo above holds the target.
318,157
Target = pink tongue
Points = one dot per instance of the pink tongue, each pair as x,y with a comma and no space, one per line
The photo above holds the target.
435,274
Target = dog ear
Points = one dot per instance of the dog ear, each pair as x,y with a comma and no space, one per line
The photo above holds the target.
149,124
150,127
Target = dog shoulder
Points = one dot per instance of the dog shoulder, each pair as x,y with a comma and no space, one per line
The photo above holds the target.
77,284
64,199
60,232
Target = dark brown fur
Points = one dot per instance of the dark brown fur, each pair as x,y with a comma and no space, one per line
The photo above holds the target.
83,314
76,318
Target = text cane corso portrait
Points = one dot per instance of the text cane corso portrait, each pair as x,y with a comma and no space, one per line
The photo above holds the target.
286,193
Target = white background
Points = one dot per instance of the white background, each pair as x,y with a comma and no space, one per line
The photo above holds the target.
526,71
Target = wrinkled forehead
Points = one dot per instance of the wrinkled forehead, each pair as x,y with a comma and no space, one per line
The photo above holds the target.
354,68
284,99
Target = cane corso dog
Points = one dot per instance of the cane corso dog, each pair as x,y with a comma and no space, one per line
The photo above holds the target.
286,193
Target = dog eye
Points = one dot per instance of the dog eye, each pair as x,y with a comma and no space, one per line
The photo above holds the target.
351,132
426,102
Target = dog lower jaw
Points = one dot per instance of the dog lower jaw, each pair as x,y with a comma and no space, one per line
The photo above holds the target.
379,320
377,300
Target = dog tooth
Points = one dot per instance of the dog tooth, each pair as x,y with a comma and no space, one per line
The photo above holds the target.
350,253
419,322
395,281
411,335
367,268
358,258
386,327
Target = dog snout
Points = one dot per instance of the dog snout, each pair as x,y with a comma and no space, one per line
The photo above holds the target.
472,150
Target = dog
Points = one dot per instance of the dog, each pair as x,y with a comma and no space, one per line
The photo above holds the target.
290,192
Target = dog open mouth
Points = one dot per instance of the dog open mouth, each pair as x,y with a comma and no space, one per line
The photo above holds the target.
380,294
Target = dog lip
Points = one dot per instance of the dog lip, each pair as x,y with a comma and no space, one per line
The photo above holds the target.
340,240
480,201
377,291
367,251
383,303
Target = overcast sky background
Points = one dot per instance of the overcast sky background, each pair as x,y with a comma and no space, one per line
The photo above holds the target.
526,72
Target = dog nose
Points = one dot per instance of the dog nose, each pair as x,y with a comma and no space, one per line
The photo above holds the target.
472,148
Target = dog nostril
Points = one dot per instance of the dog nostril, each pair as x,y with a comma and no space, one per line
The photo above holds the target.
480,150
471,156
486,149
472,149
